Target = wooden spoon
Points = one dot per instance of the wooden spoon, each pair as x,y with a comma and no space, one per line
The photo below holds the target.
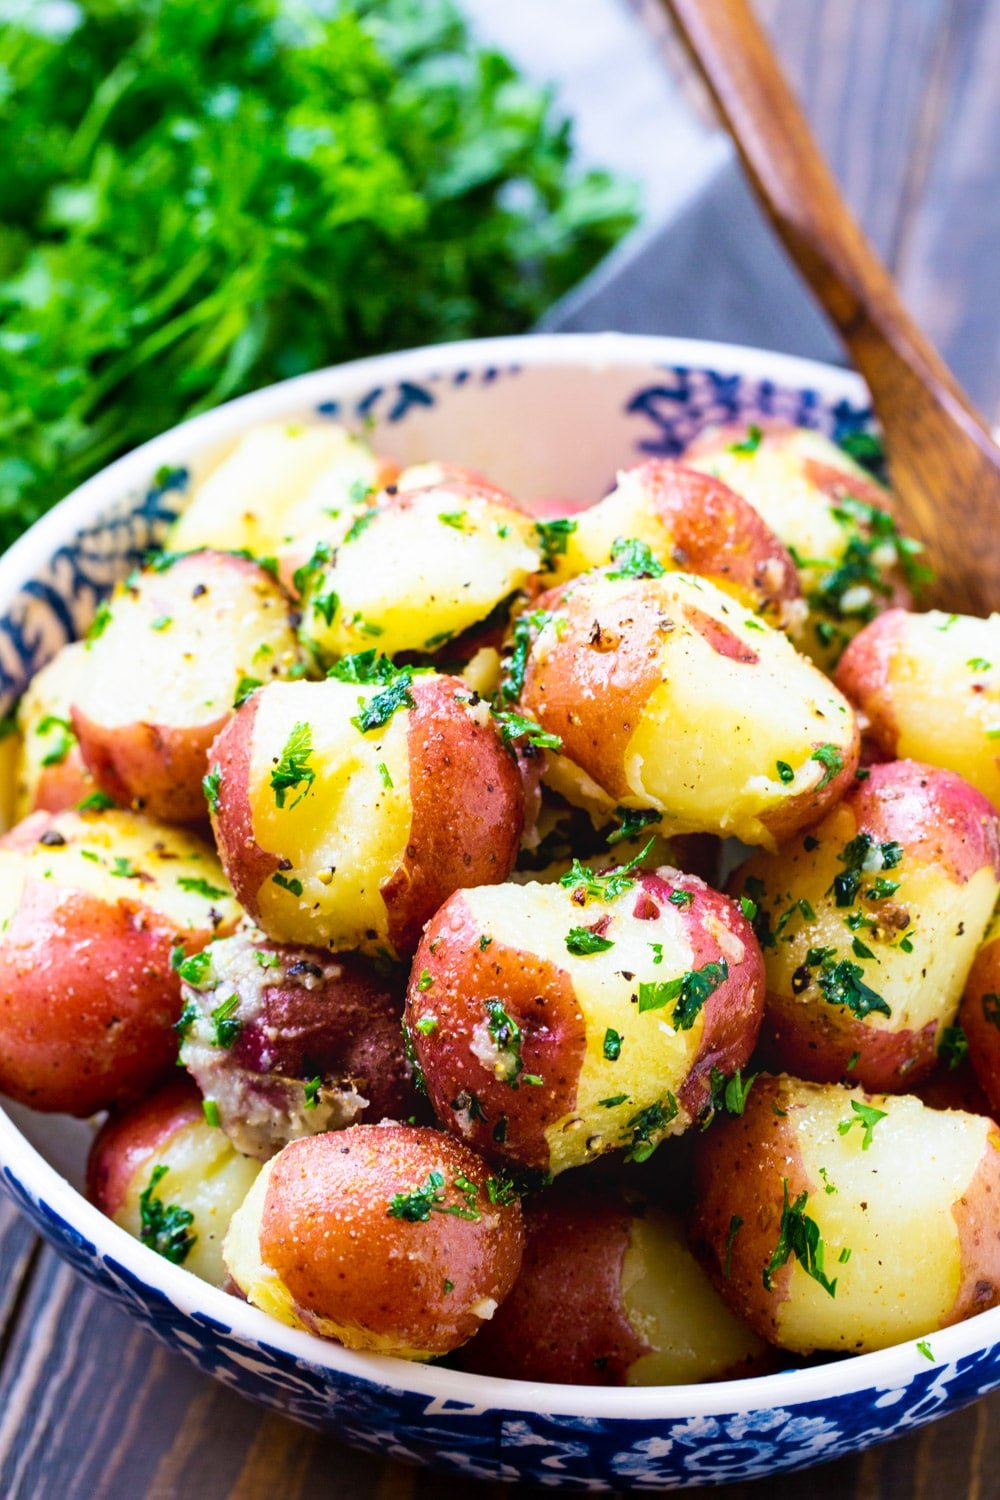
945,465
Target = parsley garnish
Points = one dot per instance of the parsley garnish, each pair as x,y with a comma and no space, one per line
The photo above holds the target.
426,1025
865,1115
507,1037
164,1226
311,1092
292,886
244,688
954,1047
581,942
225,1023
186,1019
525,626
358,525
365,667
292,768
798,1235
735,1225
642,1132
633,821
416,1207
614,1101
553,537
842,984
100,622
612,1045
860,857
586,883
514,726
210,1110
195,886
63,741
96,802
728,1095
925,1349
633,559
690,992
748,445
194,970
454,518
211,784
681,898
785,772
829,757
377,712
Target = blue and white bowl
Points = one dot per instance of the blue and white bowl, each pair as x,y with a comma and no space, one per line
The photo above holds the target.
554,415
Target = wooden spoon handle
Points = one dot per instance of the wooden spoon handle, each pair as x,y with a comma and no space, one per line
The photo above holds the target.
798,191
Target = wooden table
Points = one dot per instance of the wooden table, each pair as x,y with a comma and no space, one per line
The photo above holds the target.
905,95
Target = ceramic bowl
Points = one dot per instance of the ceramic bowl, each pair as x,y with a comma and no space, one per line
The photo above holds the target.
553,415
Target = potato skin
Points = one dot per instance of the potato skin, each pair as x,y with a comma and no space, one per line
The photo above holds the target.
573,1317
552,1097
88,996
665,696
693,522
422,1286
917,1213
979,1015
179,642
829,511
302,1018
451,817
929,688
912,945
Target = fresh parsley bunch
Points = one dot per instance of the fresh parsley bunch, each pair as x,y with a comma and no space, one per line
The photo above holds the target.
201,196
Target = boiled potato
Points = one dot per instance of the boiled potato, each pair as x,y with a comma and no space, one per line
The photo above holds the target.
92,907
980,1015
171,1179
663,693
610,1294
690,521
282,483
389,1237
50,771
835,519
419,570
833,1219
870,922
929,688
179,646
347,810
556,1022
287,1041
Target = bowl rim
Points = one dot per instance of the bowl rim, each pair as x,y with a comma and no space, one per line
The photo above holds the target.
454,1390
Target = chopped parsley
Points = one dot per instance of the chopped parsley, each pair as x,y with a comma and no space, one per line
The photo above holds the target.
63,740
681,898
863,856
979,664
633,559
842,984
553,537
126,870
689,992
454,518
358,525
507,1037
581,942
735,1225
785,772
186,1019
925,1349
211,784
865,1115
244,688
798,1235
96,802
425,981
195,886
586,884
728,1095
100,622
225,1024
614,1101
194,970
748,445
523,632
366,667
748,908
292,769
633,821
954,1047
514,726
383,774
643,1131
265,959
210,1110
311,1092
377,711
305,575
426,1025
292,886
831,759
164,1226
612,1045
417,1206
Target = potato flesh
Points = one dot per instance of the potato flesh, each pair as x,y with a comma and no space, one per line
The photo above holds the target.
946,922
706,745
275,484
49,695
349,822
947,711
124,841
655,1056
166,657
626,512
204,1175
674,1308
892,1209
409,581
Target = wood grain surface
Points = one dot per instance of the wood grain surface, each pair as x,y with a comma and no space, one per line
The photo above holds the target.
904,96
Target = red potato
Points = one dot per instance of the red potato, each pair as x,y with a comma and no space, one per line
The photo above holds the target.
171,1179
50,771
666,695
419,570
289,1041
441,1239
832,1219
180,644
281,487
349,837
91,908
689,521
869,924
835,519
610,1294
553,1023
979,1015
928,686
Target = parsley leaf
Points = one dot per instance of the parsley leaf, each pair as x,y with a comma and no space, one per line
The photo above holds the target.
514,726
689,992
865,1115
292,768
164,1226
798,1235
377,711
581,942
829,757
842,984
553,537
632,558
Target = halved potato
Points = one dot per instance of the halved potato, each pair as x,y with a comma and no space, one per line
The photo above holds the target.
50,771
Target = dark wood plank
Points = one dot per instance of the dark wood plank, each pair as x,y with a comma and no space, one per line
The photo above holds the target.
18,1251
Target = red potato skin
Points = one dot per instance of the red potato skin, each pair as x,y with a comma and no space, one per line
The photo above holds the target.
88,1000
941,820
977,1214
150,767
719,535
129,1139
739,1167
328,1194
62,787
732,1015
979,1002
248,867
468,837
538,996
564,1320
622,667
863,676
